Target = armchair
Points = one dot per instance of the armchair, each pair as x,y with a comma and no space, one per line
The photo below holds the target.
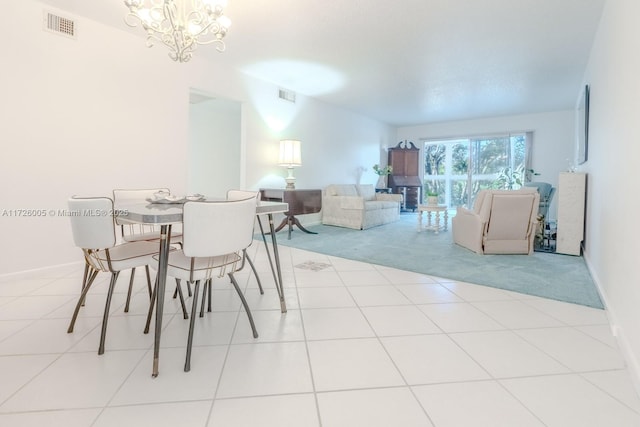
501,222
546,192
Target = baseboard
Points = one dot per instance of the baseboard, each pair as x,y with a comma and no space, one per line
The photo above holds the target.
626,350
40,270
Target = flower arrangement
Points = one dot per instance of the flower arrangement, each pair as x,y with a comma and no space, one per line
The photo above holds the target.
382,171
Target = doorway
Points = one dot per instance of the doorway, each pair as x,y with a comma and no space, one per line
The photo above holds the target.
214,144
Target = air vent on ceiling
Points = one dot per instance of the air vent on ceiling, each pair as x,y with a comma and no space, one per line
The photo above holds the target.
60,25
287,95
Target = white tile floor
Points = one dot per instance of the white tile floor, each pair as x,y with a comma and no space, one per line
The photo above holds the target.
361,345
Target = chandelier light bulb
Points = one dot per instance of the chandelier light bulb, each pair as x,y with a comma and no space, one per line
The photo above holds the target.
181,25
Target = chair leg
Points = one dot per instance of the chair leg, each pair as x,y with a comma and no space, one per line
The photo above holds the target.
194,308
105,316
133,275
83,296
153,303
184,307
89,279
146,269
244,303
175,293
255,273
204,297
85,276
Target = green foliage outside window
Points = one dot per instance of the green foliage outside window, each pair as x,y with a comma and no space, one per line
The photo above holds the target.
458,169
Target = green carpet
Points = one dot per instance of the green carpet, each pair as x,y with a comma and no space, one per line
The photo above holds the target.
559,277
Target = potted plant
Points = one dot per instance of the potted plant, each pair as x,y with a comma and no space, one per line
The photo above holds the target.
382,174
432,198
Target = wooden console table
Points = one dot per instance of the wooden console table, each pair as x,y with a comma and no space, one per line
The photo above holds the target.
301,202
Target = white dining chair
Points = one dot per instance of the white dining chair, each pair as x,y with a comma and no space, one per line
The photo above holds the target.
207,287
241,195
215,236
93,228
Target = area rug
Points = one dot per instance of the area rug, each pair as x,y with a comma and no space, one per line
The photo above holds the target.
559,277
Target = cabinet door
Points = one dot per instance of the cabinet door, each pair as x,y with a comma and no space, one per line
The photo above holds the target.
411,163
405,162
396,160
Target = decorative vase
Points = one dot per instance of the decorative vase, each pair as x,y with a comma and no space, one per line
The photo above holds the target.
382,183
432,200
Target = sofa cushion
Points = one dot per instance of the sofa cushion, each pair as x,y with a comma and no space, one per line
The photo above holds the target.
379,204
372,205
344,190
389,204
367,192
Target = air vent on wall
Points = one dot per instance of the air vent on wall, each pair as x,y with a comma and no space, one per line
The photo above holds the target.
287,95
60,25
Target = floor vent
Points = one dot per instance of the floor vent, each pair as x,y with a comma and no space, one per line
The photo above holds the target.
287,95
60,25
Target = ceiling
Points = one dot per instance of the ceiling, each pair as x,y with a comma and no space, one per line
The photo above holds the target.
405,62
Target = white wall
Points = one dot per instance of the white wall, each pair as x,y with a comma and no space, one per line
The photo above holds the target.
553,138
613,230
214,147
101,112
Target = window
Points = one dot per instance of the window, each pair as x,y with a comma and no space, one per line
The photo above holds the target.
456,169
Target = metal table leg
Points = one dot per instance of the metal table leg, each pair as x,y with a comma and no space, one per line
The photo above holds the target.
277,272
163,259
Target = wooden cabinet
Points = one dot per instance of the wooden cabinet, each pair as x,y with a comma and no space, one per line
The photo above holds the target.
404,158
571,210
405,161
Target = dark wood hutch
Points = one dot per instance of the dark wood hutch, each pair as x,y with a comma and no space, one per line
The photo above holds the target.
404,158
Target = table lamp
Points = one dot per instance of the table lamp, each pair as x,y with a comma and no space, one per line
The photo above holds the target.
290,158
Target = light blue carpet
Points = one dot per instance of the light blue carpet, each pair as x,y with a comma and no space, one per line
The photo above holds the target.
399,245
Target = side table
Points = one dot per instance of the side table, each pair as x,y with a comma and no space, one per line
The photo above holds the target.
301,202
429,209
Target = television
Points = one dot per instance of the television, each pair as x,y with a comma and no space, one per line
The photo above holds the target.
582,126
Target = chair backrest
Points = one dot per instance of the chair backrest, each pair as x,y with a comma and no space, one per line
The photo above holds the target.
123,196
242,194
92,222
218,228
477,204
512,214
545,190
482,204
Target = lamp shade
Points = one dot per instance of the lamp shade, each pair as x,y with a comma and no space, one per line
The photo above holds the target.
290,153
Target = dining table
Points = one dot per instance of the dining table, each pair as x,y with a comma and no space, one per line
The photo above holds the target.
166,215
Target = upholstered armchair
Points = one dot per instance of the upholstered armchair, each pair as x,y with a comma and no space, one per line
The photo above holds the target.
546,192
501,222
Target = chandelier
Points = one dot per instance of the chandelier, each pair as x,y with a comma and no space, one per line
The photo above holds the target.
181,25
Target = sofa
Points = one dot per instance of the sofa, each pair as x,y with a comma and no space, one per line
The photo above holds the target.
358,206
501,222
